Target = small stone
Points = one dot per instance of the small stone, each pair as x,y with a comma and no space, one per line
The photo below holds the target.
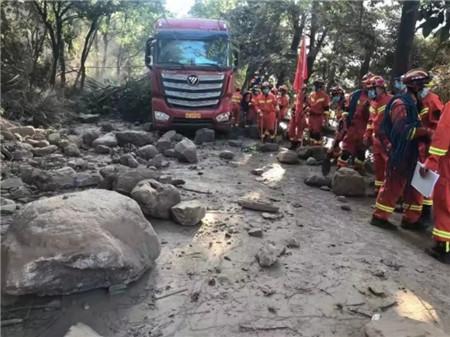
102,149
89,136
54,138
318,181
268,147
44,151
147,152
348,182
212,282
72,150
227,155
11,183
258,171
8,206
88,118
256,232
346,207
288,157
188,213
23,131
311,161
170,153
86,306
341,198
235,143
129,160
270,216
204,136
292,243
267,255
325,188
186,151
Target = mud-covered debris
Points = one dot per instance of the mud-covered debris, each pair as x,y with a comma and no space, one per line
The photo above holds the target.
267,255
258,205
117,289
256,232
267,290
292,243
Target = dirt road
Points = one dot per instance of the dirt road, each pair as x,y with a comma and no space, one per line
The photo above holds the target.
207,281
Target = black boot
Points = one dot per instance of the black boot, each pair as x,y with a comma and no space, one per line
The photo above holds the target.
418,226
439,252
385,224
426,215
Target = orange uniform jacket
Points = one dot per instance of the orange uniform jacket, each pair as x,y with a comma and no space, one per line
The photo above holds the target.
353,140
431,110
318,102
377,107
267,105
283,102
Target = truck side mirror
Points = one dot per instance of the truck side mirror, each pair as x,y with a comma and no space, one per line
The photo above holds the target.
149,52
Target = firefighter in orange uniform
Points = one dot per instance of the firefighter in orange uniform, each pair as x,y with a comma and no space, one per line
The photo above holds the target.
338,105
318,105
439,161
353,148
402,128
266,108
429,115
283,102
236,106
379,99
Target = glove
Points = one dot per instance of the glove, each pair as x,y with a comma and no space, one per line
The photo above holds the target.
367,141
432,163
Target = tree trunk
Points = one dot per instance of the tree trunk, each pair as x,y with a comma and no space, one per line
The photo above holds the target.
365,65
105,43
118,63
405,38
97,61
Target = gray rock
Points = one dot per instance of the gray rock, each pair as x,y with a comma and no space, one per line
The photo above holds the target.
128,160
188,213
81,330
268,147
155,198
157,162
7,206
288,157
318,181
83,240
348,182
88,118
107,127
22,151
54,180
102,149
126,180
89,136
312,161
325,188
37,143
11,183
258,205
204,136
317,152
44,151
108,139
110,174
22,131
292,243
54,138
227,155
147,152
72,150
87,179
186,151
267,255
170,153
135,137
78,164
170,136
256,232
164,144
235,143
73,139
258,171
341,198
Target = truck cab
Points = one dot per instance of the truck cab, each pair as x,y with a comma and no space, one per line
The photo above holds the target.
191,70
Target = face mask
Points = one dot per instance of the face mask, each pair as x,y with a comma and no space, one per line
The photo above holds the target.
335,99
372,93
399,85
266,91
424,92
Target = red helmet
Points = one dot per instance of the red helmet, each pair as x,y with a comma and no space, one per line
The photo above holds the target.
319,81
265,85
376,81
366,78
416,77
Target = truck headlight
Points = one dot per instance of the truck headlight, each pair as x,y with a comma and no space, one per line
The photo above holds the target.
161,116
223,117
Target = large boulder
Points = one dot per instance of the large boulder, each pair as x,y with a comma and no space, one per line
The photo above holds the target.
166,141
126,180
54,180
155,198
54,138
348,182
186,151
22,151
204,135
147,152
288,157
318,152
318,181
188,213
89,136
108,139
135,137
76,242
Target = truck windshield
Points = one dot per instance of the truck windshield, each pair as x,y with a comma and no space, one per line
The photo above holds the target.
211,52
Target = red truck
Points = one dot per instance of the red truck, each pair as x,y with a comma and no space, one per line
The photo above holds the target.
191,68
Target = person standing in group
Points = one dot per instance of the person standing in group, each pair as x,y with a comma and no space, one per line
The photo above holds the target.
403,130
439,161
247,111
353,148
379,99
338,105
283,102
266,108
235,106
318,104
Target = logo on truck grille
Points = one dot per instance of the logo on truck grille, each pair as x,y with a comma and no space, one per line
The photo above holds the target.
192,80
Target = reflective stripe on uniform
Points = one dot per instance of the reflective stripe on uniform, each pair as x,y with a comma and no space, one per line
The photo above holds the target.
372,109
412,133
416,208
423,111
320,100
381,108
379,183
437,151
428,202
441,234
384,208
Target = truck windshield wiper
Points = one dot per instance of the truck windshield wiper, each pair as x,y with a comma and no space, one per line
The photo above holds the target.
170,63
214,65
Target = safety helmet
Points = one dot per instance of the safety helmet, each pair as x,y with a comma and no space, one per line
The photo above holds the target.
283,88
336,90
319,81
376,81
366,78
416,78
265,84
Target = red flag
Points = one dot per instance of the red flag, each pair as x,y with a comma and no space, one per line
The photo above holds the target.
301,73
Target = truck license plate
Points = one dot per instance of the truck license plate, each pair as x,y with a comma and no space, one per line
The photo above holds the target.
193,115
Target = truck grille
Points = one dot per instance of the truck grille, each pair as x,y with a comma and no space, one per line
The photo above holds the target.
204,93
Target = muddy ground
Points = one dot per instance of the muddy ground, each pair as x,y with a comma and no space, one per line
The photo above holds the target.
207,282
